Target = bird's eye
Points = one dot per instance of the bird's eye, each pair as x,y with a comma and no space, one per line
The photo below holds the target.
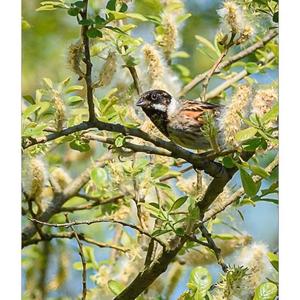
154,96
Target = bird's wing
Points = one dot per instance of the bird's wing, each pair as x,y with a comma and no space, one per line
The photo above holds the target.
196,109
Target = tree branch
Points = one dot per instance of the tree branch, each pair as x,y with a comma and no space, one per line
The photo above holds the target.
199,78
70,235
89,65
83,261
58,200
100,220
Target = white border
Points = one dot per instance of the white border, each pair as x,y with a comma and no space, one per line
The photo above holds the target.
289,178
10,150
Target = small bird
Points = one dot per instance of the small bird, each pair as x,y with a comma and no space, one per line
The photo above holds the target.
180,121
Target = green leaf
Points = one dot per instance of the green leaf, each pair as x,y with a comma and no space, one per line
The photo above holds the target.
74,100
205,42
257,170
178,203
119,141
136,16
99,20
159,170
124,7
200,281
29,99
93,33
271,115
266,291
36,131
228,162
246,134
79,4
73,88
86,22
30,109
252,67
111,5
273,258
115,287
163,186
250,187
252,144
182,18
73,11
276,17
48,82
80,146
99,177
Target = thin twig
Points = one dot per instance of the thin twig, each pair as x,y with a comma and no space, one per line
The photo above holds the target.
83,261
212,245
87,60
259,44
100,220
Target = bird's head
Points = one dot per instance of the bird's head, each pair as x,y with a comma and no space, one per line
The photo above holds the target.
155,100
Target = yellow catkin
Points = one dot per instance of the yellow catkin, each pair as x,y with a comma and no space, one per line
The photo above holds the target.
246,34
59,112
169,37
108,70
74,58
189,186
34,179
231,122
263,101
205,256
61,177
153,61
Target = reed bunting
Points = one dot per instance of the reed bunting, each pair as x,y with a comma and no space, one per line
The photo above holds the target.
180,121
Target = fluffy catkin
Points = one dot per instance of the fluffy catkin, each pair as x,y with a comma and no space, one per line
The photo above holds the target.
233,20
255,258
35,177
169,37
230,121
59,112
61,177
263,101
108,70
75,57
153,60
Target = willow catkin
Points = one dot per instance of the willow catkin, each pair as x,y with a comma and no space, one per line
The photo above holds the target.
169,37
59,112
61,177
230,121
35,177
255,258
74,58
173,278
263,101
153,60
108,70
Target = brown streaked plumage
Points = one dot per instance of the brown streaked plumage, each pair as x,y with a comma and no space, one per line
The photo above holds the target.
180,121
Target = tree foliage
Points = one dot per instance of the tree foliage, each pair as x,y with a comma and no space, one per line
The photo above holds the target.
113,209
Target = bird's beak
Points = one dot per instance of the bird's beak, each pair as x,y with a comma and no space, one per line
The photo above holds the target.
142,101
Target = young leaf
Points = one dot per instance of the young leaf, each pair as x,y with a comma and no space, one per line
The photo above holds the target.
273,258
159,170
200,280
178,203
116,287
99,177
250,187
80,146
266,291
246,134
